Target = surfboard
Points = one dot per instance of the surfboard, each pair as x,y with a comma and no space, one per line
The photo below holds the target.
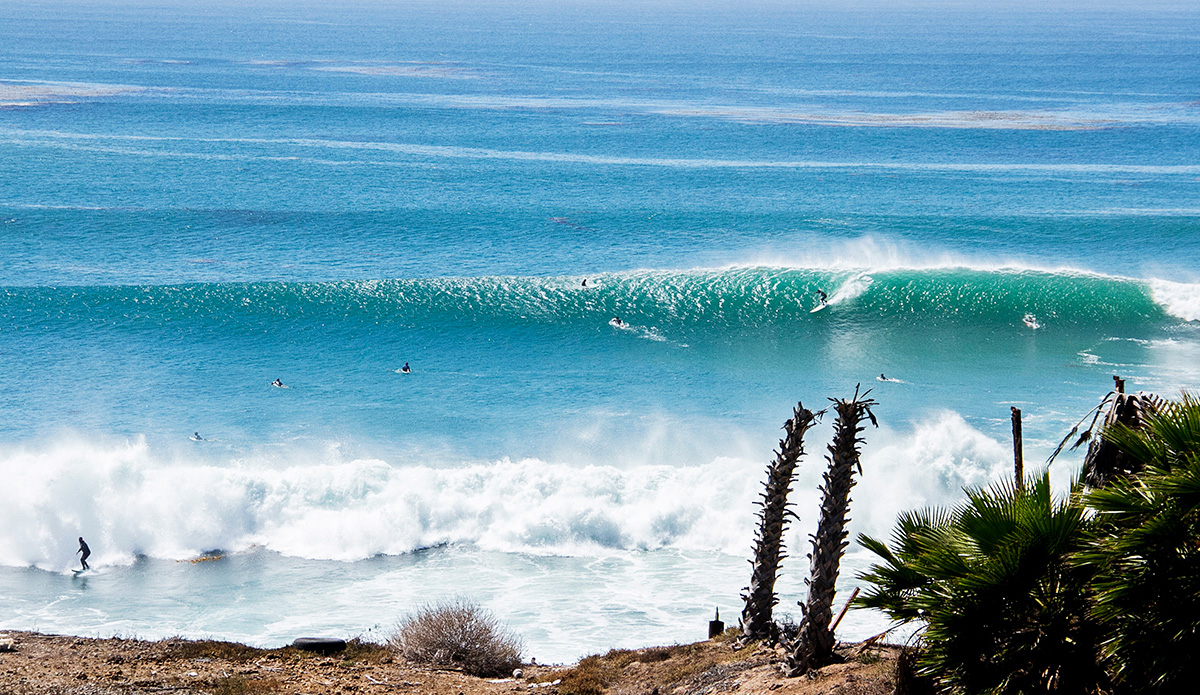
819,307
196,439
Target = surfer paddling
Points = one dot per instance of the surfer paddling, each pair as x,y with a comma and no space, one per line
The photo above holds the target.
405,369
83,548
278,384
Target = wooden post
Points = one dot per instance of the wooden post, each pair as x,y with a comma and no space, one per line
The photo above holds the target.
1018,455
853,595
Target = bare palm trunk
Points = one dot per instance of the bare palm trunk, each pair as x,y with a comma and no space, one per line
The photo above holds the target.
757,620
1105,462
814,644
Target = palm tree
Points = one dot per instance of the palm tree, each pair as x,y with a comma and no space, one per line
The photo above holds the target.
1005,612
1146,553
813,647
757,620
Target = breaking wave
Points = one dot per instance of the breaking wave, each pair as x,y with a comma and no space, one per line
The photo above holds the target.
734,300
131,500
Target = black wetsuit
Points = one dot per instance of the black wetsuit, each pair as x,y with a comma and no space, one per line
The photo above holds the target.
83,548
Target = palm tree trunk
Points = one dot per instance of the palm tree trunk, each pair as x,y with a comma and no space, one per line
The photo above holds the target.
757,620
1105,461
813,647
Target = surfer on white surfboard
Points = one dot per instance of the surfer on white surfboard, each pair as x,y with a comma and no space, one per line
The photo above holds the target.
405,369
83,548
822,301
278,384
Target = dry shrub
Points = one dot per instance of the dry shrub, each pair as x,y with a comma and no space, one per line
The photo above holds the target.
458,633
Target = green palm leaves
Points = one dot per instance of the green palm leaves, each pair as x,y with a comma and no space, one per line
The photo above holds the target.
1145,551
1019,592
993,583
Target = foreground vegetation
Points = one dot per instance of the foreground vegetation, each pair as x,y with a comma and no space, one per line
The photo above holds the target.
1098,592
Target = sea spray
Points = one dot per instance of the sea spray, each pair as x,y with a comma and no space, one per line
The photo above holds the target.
130,500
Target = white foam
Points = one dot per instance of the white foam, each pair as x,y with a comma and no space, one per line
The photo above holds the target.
1179,299
874,253
128,500
851,288
927,466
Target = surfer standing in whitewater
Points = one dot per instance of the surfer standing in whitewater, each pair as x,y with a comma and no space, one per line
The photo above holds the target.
83,548
822,297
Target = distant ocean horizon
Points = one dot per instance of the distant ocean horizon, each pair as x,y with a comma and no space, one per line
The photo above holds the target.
196,201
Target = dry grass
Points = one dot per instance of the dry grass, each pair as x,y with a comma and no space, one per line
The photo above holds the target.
214,649
461,634
595,675
237,685
361,651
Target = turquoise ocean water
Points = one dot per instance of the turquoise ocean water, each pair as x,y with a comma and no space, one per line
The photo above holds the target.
197,200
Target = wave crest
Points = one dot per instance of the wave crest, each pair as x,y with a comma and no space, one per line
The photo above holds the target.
734,300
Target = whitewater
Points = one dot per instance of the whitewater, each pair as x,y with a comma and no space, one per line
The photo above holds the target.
198,203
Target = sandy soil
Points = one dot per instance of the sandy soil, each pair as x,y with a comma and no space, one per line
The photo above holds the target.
64,665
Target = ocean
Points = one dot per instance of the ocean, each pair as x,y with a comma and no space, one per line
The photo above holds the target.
197,200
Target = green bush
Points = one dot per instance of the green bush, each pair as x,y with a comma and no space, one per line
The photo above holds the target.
1005,610
1145,551
1018,593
